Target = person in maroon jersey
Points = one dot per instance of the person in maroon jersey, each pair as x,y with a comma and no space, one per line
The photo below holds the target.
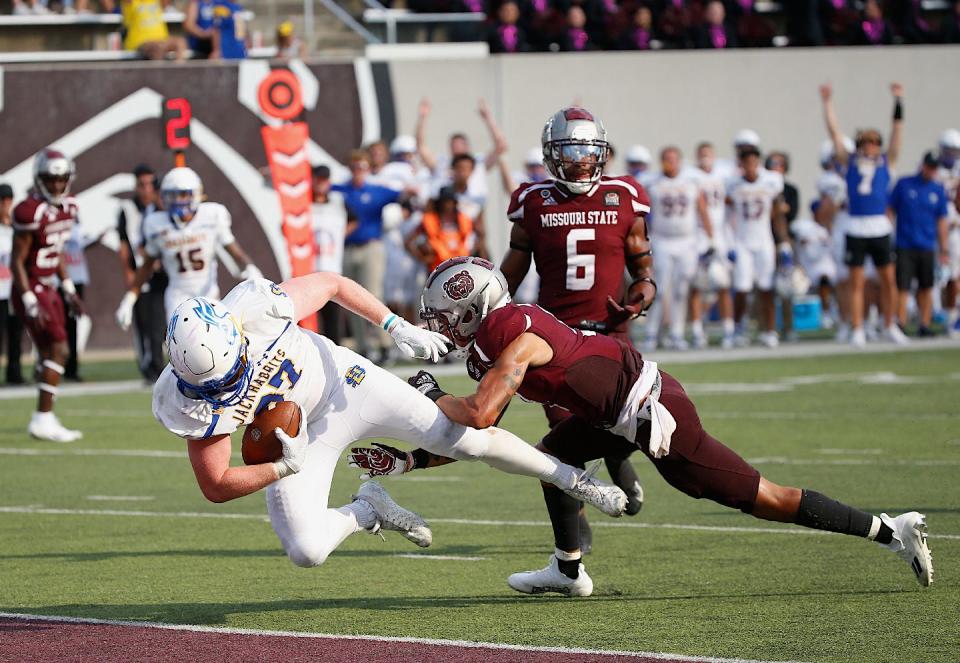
583,229
41,225
618,402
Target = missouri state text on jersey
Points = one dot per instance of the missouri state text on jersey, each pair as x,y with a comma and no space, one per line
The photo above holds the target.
568,233
51,226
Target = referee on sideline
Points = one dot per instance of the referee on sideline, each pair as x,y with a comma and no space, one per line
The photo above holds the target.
918,205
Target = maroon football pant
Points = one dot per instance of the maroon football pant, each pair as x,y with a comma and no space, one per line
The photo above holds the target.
698,464
53,328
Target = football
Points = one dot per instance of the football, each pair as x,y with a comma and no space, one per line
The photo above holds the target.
260,443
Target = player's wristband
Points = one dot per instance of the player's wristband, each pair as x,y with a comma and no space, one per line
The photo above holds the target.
637,256
520,247
390,320
435,394
68,287
898,109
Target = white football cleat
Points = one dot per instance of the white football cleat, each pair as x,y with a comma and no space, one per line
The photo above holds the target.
843,333
769,339
910,543
895,335
741,340
551,579
700,341
46,426
605,496
392,516
858,338
727,343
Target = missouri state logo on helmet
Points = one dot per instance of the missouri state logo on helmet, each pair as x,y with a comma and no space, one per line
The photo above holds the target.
458,295
208,352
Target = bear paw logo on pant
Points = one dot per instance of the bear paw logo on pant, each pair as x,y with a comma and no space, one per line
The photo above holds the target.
459,285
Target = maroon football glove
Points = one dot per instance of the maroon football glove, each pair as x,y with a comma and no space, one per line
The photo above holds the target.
382,461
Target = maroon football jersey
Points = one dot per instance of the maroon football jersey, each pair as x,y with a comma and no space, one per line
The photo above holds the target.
51,227
590,375
579,242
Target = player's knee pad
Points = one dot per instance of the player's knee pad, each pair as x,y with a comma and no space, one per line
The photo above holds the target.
307,554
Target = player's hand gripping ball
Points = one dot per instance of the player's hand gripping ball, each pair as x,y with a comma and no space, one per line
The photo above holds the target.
260,443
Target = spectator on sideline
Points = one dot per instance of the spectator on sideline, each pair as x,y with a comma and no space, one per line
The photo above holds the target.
462,170
364,256
289,45
714,31
779,162
445,232
198,24
918,204
149,314
576,38
329,218
868,173
505,35
146,30
11,328
77,271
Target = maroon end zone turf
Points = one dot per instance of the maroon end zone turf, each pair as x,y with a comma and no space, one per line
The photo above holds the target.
25,640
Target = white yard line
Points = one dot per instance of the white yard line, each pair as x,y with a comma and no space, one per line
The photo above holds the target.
374,638
120,498
451,558
616,524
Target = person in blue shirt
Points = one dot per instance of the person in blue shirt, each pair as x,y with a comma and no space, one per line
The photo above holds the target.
230,31
198,24
868,233
364,255
919,205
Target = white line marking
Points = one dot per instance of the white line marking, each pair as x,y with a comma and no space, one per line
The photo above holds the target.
851,452
433,479
139,453
33,509
783,460
454,558
376,638
120,498
820,416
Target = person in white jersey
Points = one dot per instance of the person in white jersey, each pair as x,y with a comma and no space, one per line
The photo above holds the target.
184,238
714,187
752,198
949,176
678,210
230,360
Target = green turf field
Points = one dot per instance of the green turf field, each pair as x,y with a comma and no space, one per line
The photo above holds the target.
878,431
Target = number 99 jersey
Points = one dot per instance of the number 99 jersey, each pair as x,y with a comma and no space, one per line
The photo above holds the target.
579,242
188,250
288,365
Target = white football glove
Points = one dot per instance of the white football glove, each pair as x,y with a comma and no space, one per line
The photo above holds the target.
31,305
124,314
415,342
251,272
294,450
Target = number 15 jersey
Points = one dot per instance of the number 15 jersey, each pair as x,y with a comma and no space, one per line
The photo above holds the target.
188,251
579,242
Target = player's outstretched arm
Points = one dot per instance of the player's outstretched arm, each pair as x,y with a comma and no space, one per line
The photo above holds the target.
516,262
896,131
310,293
833,126
420,133
482,409
218,481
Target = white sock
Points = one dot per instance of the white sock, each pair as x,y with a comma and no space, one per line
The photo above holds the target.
565,556
697,327
362,512
508,453
728,326
43,417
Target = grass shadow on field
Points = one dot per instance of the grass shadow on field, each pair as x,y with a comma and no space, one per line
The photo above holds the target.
213,614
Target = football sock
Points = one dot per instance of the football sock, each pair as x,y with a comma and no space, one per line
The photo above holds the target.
364,513
697,327
568,563
508,453
625,476
817,511
728,326
564,517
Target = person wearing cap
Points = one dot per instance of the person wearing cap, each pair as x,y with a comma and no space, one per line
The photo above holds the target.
638,159
918,205
289,46
149,313
10,326
867,172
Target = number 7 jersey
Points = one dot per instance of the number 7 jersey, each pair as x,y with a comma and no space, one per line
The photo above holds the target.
188,251
579,242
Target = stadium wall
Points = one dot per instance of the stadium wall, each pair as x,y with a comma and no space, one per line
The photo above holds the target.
108,116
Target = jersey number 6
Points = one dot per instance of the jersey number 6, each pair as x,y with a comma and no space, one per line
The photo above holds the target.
577,280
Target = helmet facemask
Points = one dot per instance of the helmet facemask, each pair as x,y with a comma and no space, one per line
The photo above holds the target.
182,204
52,167
577,164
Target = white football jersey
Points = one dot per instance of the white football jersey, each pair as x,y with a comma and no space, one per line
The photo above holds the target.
950,179
289,364
673,205
188,251
714,187
751,207
813,242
